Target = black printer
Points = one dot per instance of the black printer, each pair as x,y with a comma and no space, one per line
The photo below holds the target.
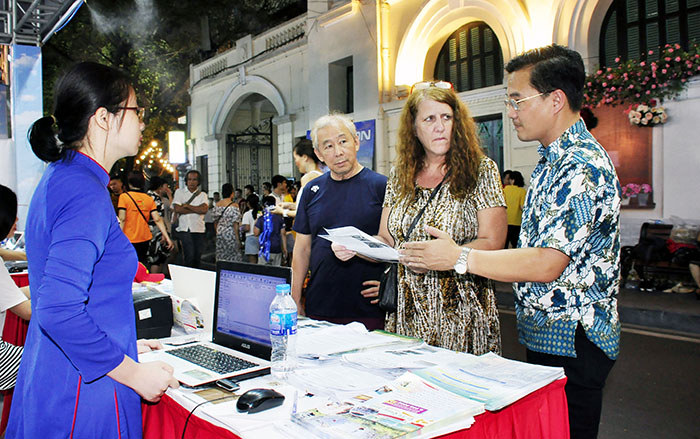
154,314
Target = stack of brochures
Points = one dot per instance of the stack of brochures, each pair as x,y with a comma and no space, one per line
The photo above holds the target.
337,339
491,379
406,407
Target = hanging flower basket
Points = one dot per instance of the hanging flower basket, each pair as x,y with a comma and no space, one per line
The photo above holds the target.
659,74
644,115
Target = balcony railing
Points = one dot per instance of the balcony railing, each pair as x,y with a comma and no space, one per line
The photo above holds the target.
266,42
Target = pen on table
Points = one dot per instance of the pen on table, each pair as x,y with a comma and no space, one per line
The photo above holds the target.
296,398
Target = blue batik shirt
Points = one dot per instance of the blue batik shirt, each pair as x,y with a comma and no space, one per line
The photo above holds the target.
573,205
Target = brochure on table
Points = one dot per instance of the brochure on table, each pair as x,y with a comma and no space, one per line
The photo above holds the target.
405,407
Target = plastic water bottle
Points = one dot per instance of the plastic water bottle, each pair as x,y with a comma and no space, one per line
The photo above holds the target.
283,331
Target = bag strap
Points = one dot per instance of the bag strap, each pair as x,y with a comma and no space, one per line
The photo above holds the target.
432,195
137,207
194,195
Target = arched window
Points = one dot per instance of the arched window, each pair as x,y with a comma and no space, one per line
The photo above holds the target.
471,58
633,27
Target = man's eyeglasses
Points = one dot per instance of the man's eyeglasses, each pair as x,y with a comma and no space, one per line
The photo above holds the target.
427,84
140,111
515,103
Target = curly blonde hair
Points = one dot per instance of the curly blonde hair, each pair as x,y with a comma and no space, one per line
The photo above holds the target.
463,158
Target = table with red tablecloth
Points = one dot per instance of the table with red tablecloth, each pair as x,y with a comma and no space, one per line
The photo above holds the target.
542,414
14,332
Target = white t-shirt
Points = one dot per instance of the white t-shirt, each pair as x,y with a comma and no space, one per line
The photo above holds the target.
10,294
190,222
249,220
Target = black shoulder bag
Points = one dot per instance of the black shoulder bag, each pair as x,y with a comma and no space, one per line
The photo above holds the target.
388,285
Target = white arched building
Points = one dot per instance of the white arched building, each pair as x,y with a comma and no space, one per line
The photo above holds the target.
361,57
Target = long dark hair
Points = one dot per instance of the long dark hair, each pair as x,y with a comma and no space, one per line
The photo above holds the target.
254,204
83,89
8,210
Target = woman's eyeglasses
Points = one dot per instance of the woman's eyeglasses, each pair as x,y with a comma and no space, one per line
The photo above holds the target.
140,111
427,84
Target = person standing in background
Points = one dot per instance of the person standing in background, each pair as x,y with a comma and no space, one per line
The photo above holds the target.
514,193
190,204
251,246
116,188
227,218
135,210
158,249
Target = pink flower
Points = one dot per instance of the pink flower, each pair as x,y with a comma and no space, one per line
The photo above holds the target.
678,46
648,92
664,71
668,58
590,84
653,86
642,64
617,59
609,76
612,89
631,86
670,50
651,52
678,59
605,84
600,71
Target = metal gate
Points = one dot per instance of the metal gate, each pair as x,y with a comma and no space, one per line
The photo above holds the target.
249,156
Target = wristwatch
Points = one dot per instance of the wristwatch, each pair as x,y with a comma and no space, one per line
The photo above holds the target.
461,266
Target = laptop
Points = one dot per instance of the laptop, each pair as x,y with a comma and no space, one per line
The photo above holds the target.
240,335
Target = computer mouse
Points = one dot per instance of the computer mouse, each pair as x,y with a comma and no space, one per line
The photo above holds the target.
257,400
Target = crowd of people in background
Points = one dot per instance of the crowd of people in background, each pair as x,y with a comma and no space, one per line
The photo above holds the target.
235,224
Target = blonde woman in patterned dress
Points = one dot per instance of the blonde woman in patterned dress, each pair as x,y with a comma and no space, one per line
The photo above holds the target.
437,136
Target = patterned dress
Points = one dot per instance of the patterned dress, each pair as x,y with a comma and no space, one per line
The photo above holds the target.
227,248
157,251
444,308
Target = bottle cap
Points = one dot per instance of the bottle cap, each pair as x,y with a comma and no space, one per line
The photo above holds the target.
283,288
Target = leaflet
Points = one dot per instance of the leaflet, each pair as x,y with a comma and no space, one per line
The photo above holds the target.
491,379
366,245
406,407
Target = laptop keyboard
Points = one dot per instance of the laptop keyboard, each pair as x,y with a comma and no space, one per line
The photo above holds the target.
212,359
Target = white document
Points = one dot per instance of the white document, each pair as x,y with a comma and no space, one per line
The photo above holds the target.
491,379
403,357
355,239
344,338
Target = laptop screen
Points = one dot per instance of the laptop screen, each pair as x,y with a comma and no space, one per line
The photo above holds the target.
244,294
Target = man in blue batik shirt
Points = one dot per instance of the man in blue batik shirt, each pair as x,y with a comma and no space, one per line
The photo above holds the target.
567,263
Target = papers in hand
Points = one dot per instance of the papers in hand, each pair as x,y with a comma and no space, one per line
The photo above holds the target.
356,240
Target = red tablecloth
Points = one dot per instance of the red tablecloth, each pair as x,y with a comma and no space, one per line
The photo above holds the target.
542,414
14,331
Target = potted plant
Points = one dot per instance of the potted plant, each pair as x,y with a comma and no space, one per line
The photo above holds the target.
639,192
